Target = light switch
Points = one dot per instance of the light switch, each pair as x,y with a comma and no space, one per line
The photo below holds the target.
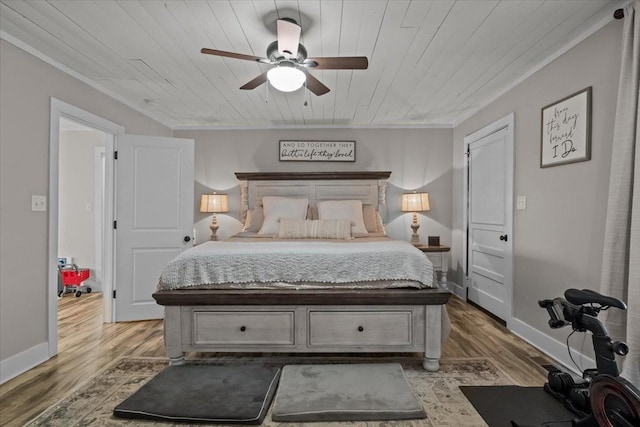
521,203
38,203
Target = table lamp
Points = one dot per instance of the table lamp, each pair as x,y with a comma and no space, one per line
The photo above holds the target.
415,202
214,203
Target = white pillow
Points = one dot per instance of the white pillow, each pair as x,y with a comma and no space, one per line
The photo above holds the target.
275,207
344,209
253,219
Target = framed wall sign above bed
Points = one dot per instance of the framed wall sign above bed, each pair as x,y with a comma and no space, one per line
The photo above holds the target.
317,151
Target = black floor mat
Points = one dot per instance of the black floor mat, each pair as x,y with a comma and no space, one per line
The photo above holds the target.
532,406
204,394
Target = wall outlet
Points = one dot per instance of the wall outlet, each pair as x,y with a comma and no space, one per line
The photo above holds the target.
521,203
38,203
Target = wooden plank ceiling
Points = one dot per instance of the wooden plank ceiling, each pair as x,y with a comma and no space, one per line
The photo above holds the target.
431,63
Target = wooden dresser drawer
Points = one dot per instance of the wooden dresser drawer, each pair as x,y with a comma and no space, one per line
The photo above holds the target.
244,328
363,328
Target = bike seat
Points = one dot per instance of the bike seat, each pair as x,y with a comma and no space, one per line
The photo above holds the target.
587,296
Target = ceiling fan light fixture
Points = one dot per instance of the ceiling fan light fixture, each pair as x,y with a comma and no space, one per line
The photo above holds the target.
286,78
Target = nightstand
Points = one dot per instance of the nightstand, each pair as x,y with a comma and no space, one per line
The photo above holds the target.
439,257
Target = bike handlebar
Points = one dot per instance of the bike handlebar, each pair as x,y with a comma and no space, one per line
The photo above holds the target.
579,312
556,315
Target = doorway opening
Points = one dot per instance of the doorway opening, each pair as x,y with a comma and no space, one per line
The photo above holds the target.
80,203
103,132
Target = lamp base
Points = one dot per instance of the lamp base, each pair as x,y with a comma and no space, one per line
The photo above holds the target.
415,237
214,228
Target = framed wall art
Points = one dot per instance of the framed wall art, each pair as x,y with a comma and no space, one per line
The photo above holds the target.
317,151
566,130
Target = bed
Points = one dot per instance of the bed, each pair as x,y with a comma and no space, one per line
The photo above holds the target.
260,292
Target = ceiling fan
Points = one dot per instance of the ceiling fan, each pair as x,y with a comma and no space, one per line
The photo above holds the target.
291,65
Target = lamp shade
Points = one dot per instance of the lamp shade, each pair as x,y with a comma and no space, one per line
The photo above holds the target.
415,202
286,78
214,203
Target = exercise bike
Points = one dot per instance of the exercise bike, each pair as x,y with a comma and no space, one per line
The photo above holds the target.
601,398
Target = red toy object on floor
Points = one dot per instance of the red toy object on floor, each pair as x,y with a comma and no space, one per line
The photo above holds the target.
72,277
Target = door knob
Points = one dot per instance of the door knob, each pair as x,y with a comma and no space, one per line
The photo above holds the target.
187,238
503,237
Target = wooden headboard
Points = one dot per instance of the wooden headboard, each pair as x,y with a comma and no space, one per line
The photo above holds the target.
370,187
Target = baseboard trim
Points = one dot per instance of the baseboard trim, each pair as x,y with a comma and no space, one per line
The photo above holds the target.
456,289
23,361
552,347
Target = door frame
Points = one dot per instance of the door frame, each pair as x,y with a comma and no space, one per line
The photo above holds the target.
62,109
507,122
99,167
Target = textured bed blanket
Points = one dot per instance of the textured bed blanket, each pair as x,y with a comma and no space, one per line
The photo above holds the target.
297,262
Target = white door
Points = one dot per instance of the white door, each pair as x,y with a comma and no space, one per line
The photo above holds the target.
490,188
154,218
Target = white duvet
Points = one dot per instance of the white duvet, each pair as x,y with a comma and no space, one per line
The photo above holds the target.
298,263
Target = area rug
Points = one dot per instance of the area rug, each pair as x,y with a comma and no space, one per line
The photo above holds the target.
215,394
499,405
92,403
345,392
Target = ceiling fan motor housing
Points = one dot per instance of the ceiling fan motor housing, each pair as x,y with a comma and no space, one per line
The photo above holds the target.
275,56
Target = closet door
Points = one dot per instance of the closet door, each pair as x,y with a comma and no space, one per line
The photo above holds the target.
489,228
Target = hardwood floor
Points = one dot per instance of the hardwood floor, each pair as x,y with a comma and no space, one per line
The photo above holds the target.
87,345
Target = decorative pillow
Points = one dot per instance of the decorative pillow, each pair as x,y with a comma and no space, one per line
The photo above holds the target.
343,209
246,220
312,212
314,229
370,220
253,219
276,207
380,224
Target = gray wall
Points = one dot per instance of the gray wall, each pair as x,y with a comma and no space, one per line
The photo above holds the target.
417,158
76,234
26,85
558,238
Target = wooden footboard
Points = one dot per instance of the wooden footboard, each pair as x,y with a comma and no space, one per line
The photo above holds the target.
304,321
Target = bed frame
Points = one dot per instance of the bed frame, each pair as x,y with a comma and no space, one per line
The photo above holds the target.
306,321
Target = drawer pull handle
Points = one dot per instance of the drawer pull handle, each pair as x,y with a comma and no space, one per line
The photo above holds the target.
360,328
243,328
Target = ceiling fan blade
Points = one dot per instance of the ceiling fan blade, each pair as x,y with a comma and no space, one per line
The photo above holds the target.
288,37
337,63
234,55
316,86
255,82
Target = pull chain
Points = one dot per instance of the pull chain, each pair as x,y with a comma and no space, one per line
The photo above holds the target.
266,100
305,92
